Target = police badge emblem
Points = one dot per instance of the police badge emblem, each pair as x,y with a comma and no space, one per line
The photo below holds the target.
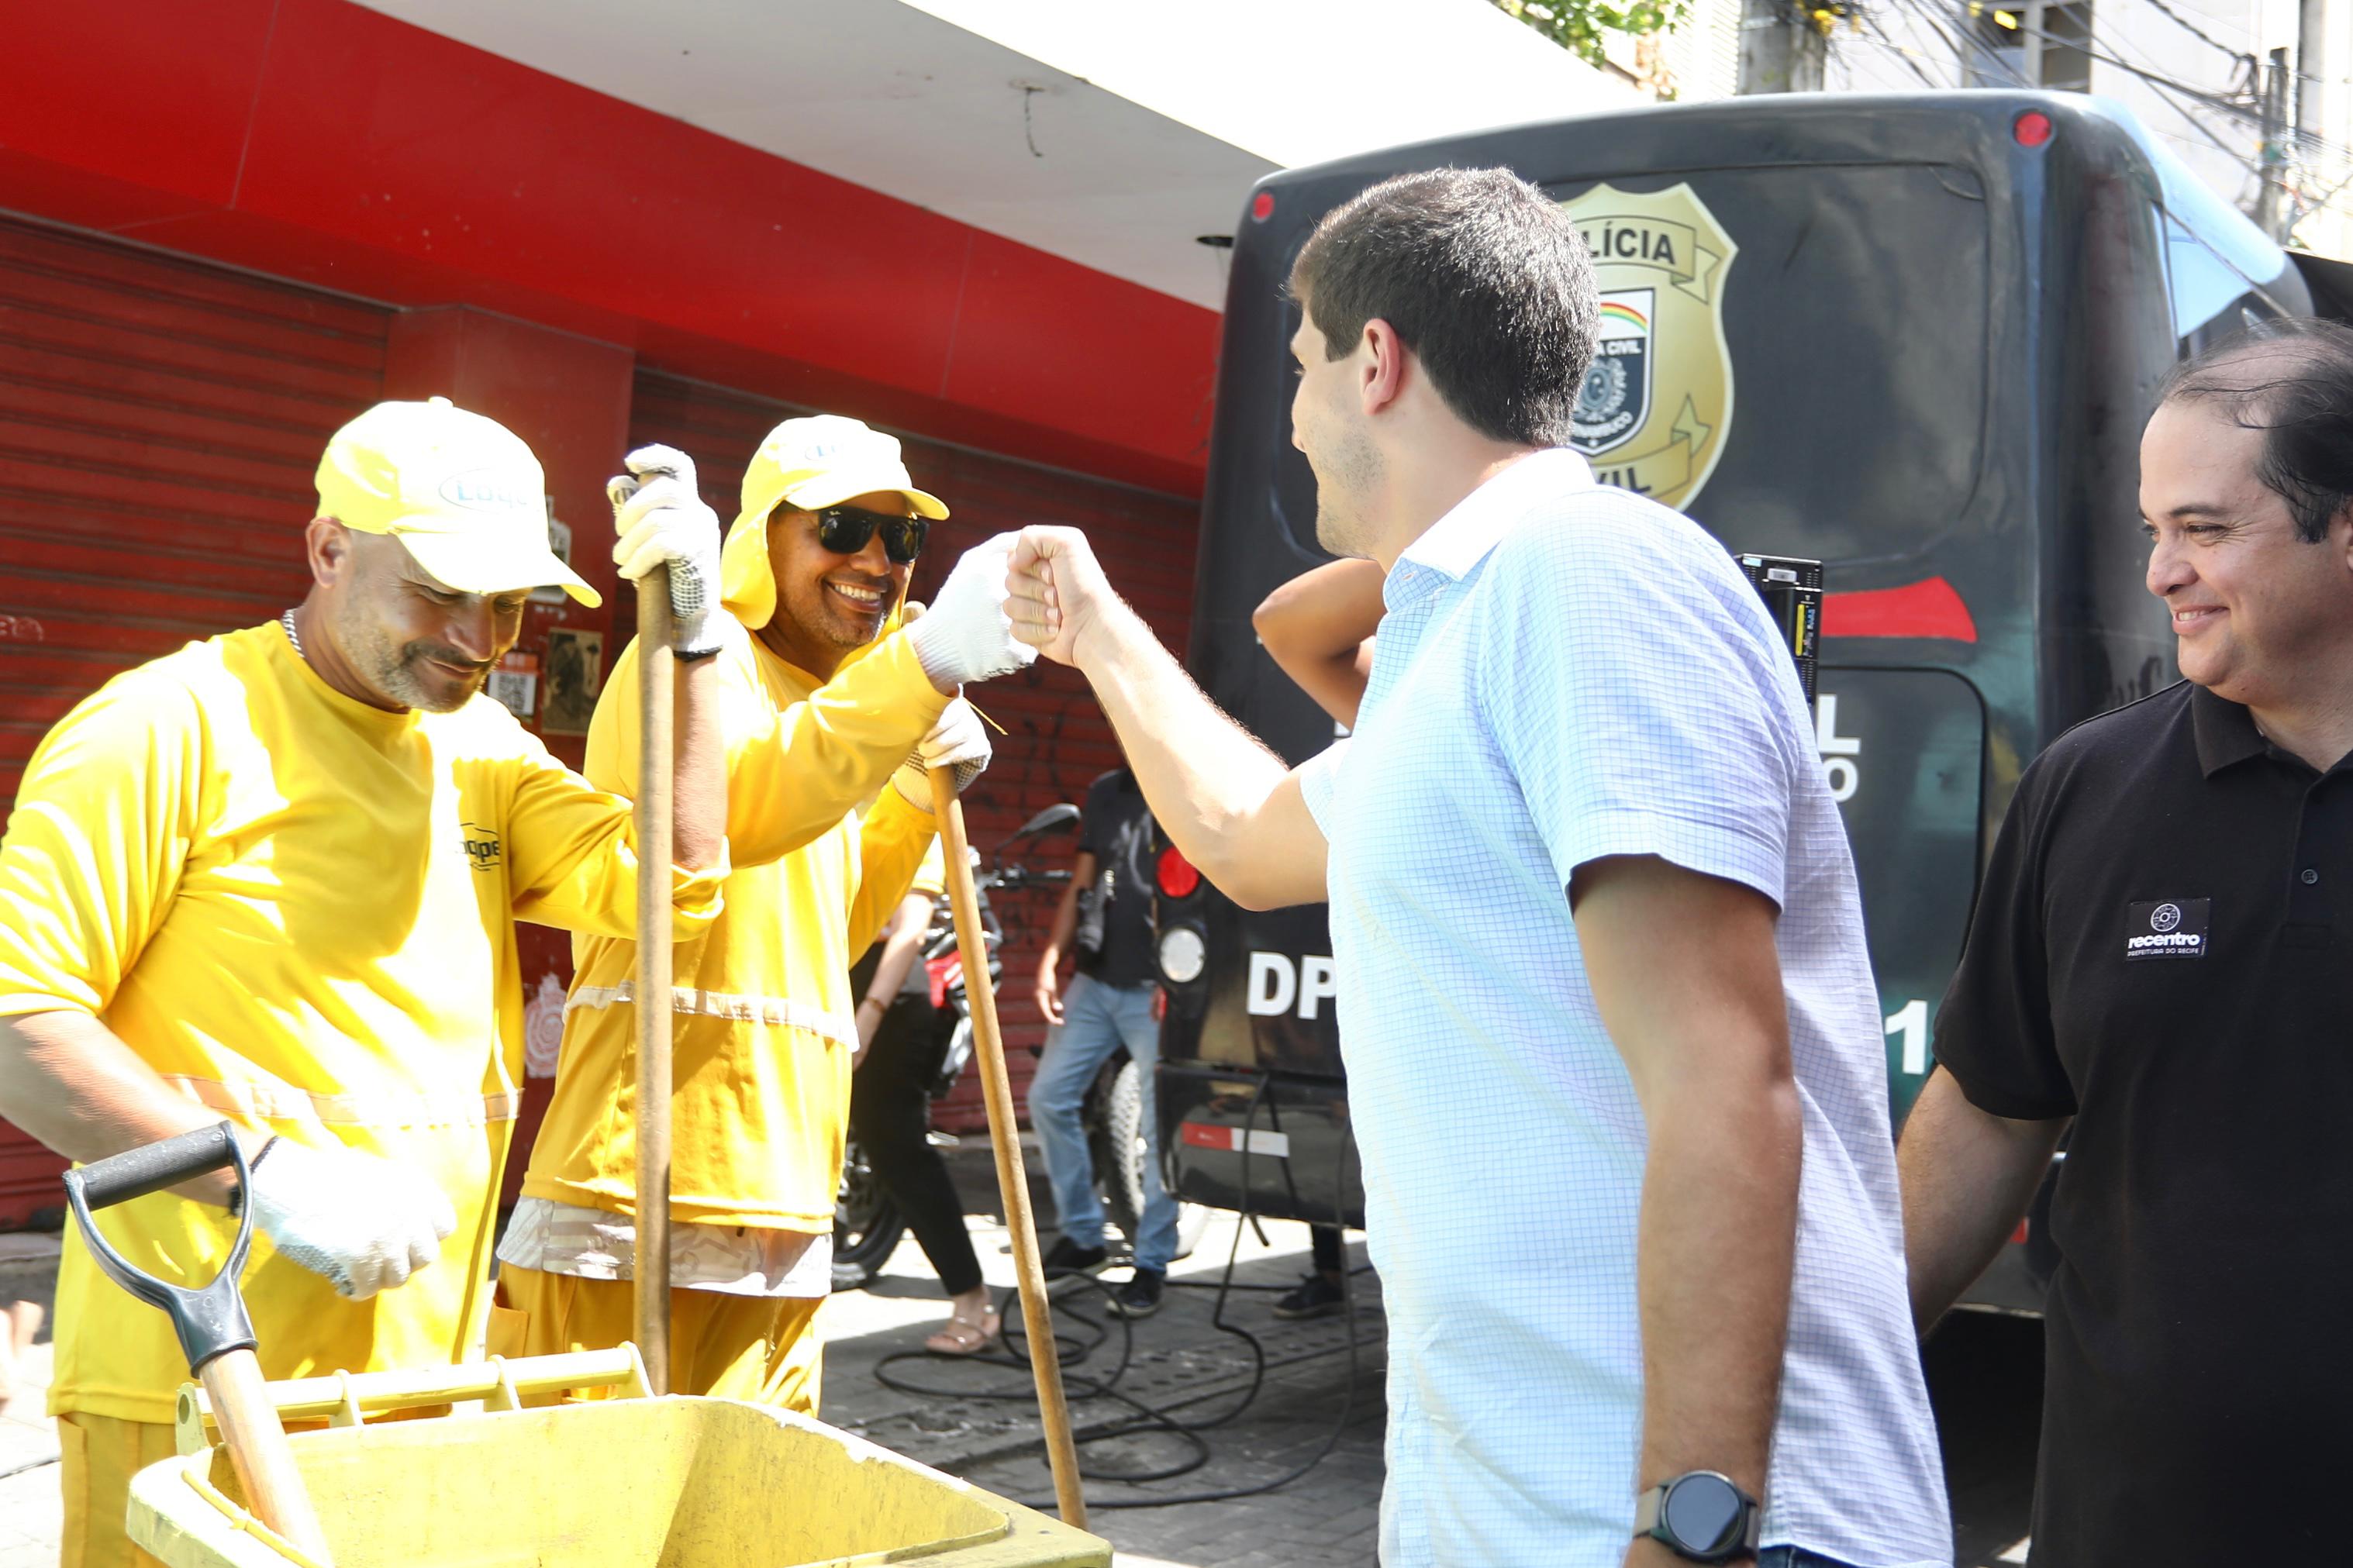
1655,405
1615,401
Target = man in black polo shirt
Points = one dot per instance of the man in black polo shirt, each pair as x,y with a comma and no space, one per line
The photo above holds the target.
2163,952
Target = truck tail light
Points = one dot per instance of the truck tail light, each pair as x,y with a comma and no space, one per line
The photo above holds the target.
1177,876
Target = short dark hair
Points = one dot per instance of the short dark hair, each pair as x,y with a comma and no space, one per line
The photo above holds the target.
2293,380
1483,276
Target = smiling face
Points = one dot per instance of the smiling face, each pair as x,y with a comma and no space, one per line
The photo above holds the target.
1327,426
2259,614
829,603
406,638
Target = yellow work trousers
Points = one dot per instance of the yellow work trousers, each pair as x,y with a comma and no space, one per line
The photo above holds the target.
97,1457
761,1348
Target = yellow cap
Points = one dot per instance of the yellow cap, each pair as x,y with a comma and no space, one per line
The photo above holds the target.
809,464
462,494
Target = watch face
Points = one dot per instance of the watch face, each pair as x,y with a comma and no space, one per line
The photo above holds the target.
1701,1512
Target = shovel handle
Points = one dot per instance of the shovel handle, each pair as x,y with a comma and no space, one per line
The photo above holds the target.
256,1440
209,1321
214,1332
151,1167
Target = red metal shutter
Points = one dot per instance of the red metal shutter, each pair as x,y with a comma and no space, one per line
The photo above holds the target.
160,422
1059,739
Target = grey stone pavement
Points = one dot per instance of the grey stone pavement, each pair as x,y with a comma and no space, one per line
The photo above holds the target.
29,1510
1316,1408
1316,1405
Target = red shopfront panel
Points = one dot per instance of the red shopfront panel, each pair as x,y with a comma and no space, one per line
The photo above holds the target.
1057,739
160,421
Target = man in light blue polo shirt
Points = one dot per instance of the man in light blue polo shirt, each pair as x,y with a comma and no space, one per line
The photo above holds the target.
1613,1048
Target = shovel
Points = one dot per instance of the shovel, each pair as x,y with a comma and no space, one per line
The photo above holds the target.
216,1335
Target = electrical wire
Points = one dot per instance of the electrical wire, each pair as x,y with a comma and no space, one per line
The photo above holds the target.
2254,167
2170,89
2200,33
1146,1417
2327,201
1963,51
1878,37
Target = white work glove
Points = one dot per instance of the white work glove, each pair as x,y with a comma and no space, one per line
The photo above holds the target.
967,635
659,520
364,1223
957,739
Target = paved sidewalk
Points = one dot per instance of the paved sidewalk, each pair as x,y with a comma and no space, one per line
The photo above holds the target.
1179,1361
30,1513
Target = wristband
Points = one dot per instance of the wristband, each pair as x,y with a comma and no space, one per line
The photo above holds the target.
871,1002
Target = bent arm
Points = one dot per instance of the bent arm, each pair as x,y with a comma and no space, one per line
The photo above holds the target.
1318,630
1968,1176
1066,916
793,775
698,798
1688,982
70,1081
108,813
573,861
1231,805
905,939
892,843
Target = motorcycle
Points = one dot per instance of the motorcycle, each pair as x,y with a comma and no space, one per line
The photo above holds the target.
866,1224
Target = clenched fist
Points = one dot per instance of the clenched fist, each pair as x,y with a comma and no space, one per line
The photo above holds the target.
1056,592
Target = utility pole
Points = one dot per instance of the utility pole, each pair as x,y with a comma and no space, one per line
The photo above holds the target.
1781,49
2273,211
2312,65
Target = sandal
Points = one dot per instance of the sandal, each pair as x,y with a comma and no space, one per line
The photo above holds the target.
960,1338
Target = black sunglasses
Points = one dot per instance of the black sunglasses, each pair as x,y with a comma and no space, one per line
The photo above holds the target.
844,530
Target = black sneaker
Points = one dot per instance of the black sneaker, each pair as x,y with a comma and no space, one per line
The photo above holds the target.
1316,1297
1067,1257
1140,1297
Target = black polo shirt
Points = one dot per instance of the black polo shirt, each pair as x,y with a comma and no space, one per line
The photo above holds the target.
1115,828
2163,950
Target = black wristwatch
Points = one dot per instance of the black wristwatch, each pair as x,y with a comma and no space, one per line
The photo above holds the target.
1700,1515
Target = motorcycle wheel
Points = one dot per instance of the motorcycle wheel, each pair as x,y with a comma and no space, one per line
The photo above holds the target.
958,1052
867,1225
1117,1144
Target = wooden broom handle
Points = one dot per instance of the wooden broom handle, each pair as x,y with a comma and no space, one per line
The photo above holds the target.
655,693
1003,1134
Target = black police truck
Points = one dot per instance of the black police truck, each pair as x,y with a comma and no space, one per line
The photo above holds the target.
1914,338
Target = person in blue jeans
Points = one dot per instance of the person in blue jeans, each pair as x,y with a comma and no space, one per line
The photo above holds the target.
1105,919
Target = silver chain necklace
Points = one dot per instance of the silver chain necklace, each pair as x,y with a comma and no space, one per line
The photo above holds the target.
287,620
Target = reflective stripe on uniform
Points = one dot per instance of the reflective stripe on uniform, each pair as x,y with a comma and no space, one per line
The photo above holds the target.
781,1011
283,1102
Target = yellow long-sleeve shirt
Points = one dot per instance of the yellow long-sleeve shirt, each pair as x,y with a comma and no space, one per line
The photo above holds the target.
299,909
766,1021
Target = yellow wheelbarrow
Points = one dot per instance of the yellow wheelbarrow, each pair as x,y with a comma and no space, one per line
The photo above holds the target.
628,1482
508,1481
